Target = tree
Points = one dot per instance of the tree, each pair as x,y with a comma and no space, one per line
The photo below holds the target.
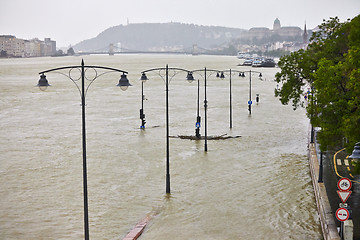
70,52
329,70
3,53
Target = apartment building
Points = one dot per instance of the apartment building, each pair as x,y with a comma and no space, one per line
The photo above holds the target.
11,46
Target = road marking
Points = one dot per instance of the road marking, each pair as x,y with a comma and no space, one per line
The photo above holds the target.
338,161
346,162
335,168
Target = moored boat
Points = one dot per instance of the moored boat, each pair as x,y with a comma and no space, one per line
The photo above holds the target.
268,62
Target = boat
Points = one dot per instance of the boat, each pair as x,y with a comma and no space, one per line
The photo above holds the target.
241,55
268,62
248,62
257,62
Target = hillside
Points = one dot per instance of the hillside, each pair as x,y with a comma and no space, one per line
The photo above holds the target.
156,36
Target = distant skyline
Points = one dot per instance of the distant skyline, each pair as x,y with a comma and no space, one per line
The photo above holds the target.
69,22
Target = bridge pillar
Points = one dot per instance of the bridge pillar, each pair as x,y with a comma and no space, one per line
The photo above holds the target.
195,50
111,49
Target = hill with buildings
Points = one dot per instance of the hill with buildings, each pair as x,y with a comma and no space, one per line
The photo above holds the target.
170,37
160,37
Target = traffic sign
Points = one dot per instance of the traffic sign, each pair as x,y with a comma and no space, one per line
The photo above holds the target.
249,102
342,214
343,205
344,184
344,195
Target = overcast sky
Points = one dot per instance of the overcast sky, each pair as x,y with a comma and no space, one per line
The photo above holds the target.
71,21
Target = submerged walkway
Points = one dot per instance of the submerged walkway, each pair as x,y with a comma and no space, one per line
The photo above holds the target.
138,229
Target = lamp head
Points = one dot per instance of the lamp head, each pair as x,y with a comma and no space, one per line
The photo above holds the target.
43,83
190,77
222,76
356,152
144,78
123,82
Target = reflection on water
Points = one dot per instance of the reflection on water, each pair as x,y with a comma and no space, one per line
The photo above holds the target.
253,187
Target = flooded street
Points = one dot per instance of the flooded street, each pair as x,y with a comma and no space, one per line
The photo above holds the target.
257,186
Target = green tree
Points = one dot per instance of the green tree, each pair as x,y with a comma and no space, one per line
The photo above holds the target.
329,69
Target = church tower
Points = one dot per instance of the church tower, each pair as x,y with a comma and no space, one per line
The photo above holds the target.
305,35
276,25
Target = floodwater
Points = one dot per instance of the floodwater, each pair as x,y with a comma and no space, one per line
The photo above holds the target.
256,186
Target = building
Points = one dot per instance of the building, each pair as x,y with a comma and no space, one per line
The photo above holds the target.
276,25
305,36
33,48
10,46
49,47
278,30
263,39
13,46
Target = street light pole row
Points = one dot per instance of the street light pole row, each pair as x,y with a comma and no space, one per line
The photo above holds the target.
124,84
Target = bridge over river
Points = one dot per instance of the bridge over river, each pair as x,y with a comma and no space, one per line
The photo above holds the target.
113,49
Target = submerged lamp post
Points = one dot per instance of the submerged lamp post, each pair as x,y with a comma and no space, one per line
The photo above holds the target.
143,79
231,72
205,76
190,78
243,75
167,79
123,84
198,118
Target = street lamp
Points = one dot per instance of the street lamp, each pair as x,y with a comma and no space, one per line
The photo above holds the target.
230,72
143,79
321,168
190,78
356,152
205,101
222,76
123,84
175,72
243,75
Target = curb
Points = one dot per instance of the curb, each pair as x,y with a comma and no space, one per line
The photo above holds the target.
327,221
138,229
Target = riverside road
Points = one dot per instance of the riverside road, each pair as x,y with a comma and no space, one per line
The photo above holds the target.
337,165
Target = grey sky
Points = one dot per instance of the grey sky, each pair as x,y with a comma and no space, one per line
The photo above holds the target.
71,21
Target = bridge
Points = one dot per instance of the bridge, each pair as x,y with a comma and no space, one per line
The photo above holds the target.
112,50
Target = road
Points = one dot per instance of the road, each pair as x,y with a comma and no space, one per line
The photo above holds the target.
337,165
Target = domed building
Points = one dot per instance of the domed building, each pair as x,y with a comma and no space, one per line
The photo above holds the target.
283,32
276,25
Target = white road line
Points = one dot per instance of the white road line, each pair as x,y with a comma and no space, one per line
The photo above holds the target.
338,161
346,162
